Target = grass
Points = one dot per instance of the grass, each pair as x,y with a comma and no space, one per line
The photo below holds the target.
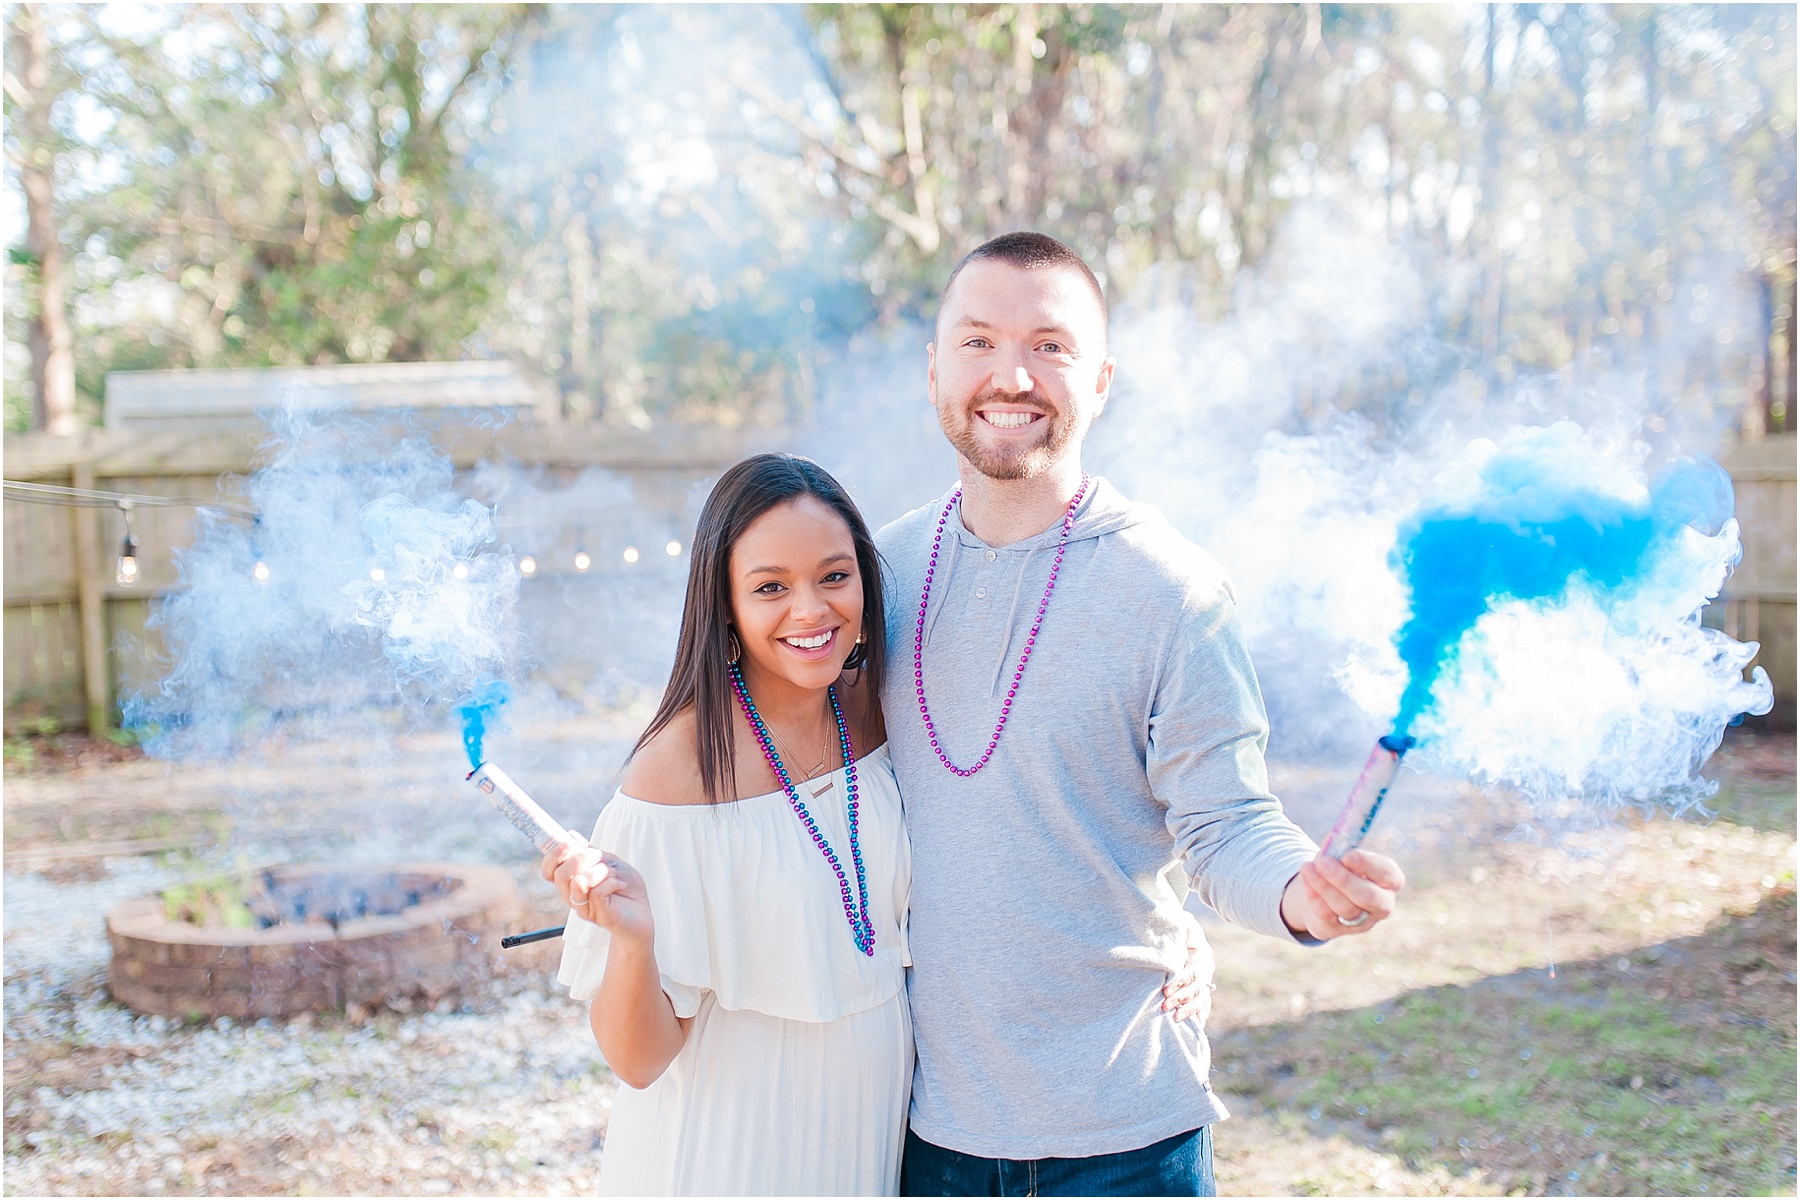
1757,803
1670,1073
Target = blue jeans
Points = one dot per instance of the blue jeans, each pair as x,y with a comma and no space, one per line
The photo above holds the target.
1177,1166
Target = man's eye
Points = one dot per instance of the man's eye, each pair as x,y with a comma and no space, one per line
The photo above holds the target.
1052,348
977,343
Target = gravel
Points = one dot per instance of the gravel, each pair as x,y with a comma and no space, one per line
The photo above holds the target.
499,1091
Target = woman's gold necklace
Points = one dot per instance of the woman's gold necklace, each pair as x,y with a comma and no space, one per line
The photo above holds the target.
810,772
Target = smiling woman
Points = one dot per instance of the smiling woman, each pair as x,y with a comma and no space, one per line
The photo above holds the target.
781,557
738,922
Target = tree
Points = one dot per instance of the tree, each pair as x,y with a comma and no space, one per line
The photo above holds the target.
266,185
1591,182
35,82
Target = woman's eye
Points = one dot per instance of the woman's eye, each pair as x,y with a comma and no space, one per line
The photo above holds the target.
768,589
836,577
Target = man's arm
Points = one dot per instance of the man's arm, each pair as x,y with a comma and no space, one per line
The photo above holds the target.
1204,760
1248,861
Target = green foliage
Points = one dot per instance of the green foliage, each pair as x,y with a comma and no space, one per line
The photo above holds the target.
281,185
676,208
221,899
1577,176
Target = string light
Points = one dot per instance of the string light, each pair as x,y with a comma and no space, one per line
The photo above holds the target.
460,570
582,561
673,549
528,566
631,554
127,571
126,575
377,574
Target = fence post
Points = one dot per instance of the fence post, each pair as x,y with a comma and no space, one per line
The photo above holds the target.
90,590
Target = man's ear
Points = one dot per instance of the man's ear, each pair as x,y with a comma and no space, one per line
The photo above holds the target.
1103,383
931,372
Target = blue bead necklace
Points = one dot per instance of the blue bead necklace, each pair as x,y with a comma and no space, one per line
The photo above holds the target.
856,911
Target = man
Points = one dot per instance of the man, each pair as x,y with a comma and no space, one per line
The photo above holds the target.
1079,736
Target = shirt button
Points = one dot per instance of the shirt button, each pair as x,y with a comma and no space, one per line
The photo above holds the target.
981,593
992,556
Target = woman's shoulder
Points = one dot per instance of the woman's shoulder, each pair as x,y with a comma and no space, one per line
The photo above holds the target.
666,769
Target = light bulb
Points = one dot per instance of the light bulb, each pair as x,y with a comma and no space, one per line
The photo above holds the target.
582,561
673,549
631,554
127,575
528,565
260,571
460,570
377,574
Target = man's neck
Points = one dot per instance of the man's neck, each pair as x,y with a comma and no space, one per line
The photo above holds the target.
1003,511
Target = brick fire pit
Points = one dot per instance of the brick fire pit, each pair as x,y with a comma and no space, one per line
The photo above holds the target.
323,939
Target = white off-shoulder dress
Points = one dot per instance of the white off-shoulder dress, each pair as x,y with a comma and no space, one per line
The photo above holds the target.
796,1073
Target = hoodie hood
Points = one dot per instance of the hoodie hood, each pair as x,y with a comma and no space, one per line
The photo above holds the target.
1103,510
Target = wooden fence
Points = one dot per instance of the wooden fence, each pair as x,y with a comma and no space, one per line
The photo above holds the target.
1757,604
69,622
67,618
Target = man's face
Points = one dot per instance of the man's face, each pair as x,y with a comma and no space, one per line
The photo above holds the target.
1020,368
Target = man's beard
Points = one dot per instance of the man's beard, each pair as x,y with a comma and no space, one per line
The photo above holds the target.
1017,462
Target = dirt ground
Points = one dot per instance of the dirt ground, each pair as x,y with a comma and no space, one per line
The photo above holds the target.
1437,1056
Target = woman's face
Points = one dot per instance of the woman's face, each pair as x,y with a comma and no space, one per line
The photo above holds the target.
796,595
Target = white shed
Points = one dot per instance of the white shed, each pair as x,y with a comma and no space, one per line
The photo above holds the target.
207,401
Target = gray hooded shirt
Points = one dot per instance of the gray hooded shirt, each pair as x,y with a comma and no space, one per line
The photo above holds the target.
1048,887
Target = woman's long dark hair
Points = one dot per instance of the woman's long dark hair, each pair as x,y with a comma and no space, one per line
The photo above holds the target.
703,654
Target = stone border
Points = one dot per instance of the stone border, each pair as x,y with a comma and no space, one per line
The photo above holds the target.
416,957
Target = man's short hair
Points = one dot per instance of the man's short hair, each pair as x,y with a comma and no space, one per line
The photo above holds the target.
1029,251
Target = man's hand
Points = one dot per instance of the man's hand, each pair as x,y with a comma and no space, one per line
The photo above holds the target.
1330,899
1189,994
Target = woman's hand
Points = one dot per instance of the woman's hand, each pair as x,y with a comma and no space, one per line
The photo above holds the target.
603,888
1331,899
1189,994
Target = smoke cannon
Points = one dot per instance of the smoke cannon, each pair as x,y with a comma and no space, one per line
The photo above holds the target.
525,814
1366,797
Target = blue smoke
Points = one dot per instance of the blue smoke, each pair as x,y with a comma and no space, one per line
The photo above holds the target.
365,580
1554,641
480,709
1530,532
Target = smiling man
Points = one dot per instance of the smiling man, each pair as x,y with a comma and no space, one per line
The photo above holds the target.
1079,742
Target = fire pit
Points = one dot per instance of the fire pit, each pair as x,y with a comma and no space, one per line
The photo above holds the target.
311,938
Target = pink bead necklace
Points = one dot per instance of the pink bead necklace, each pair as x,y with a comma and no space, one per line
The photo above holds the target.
1012,690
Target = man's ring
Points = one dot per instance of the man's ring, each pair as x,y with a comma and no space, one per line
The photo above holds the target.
1349,924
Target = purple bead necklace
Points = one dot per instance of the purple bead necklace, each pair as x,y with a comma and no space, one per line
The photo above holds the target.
1012,690
856,911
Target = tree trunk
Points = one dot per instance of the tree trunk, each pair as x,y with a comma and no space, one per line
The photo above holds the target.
52,343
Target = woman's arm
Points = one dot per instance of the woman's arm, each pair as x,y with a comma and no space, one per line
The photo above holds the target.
633,1022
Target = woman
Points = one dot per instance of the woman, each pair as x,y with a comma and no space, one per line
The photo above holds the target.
741,928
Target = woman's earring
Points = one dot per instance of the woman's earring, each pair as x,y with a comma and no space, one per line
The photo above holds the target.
857,655
737,651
